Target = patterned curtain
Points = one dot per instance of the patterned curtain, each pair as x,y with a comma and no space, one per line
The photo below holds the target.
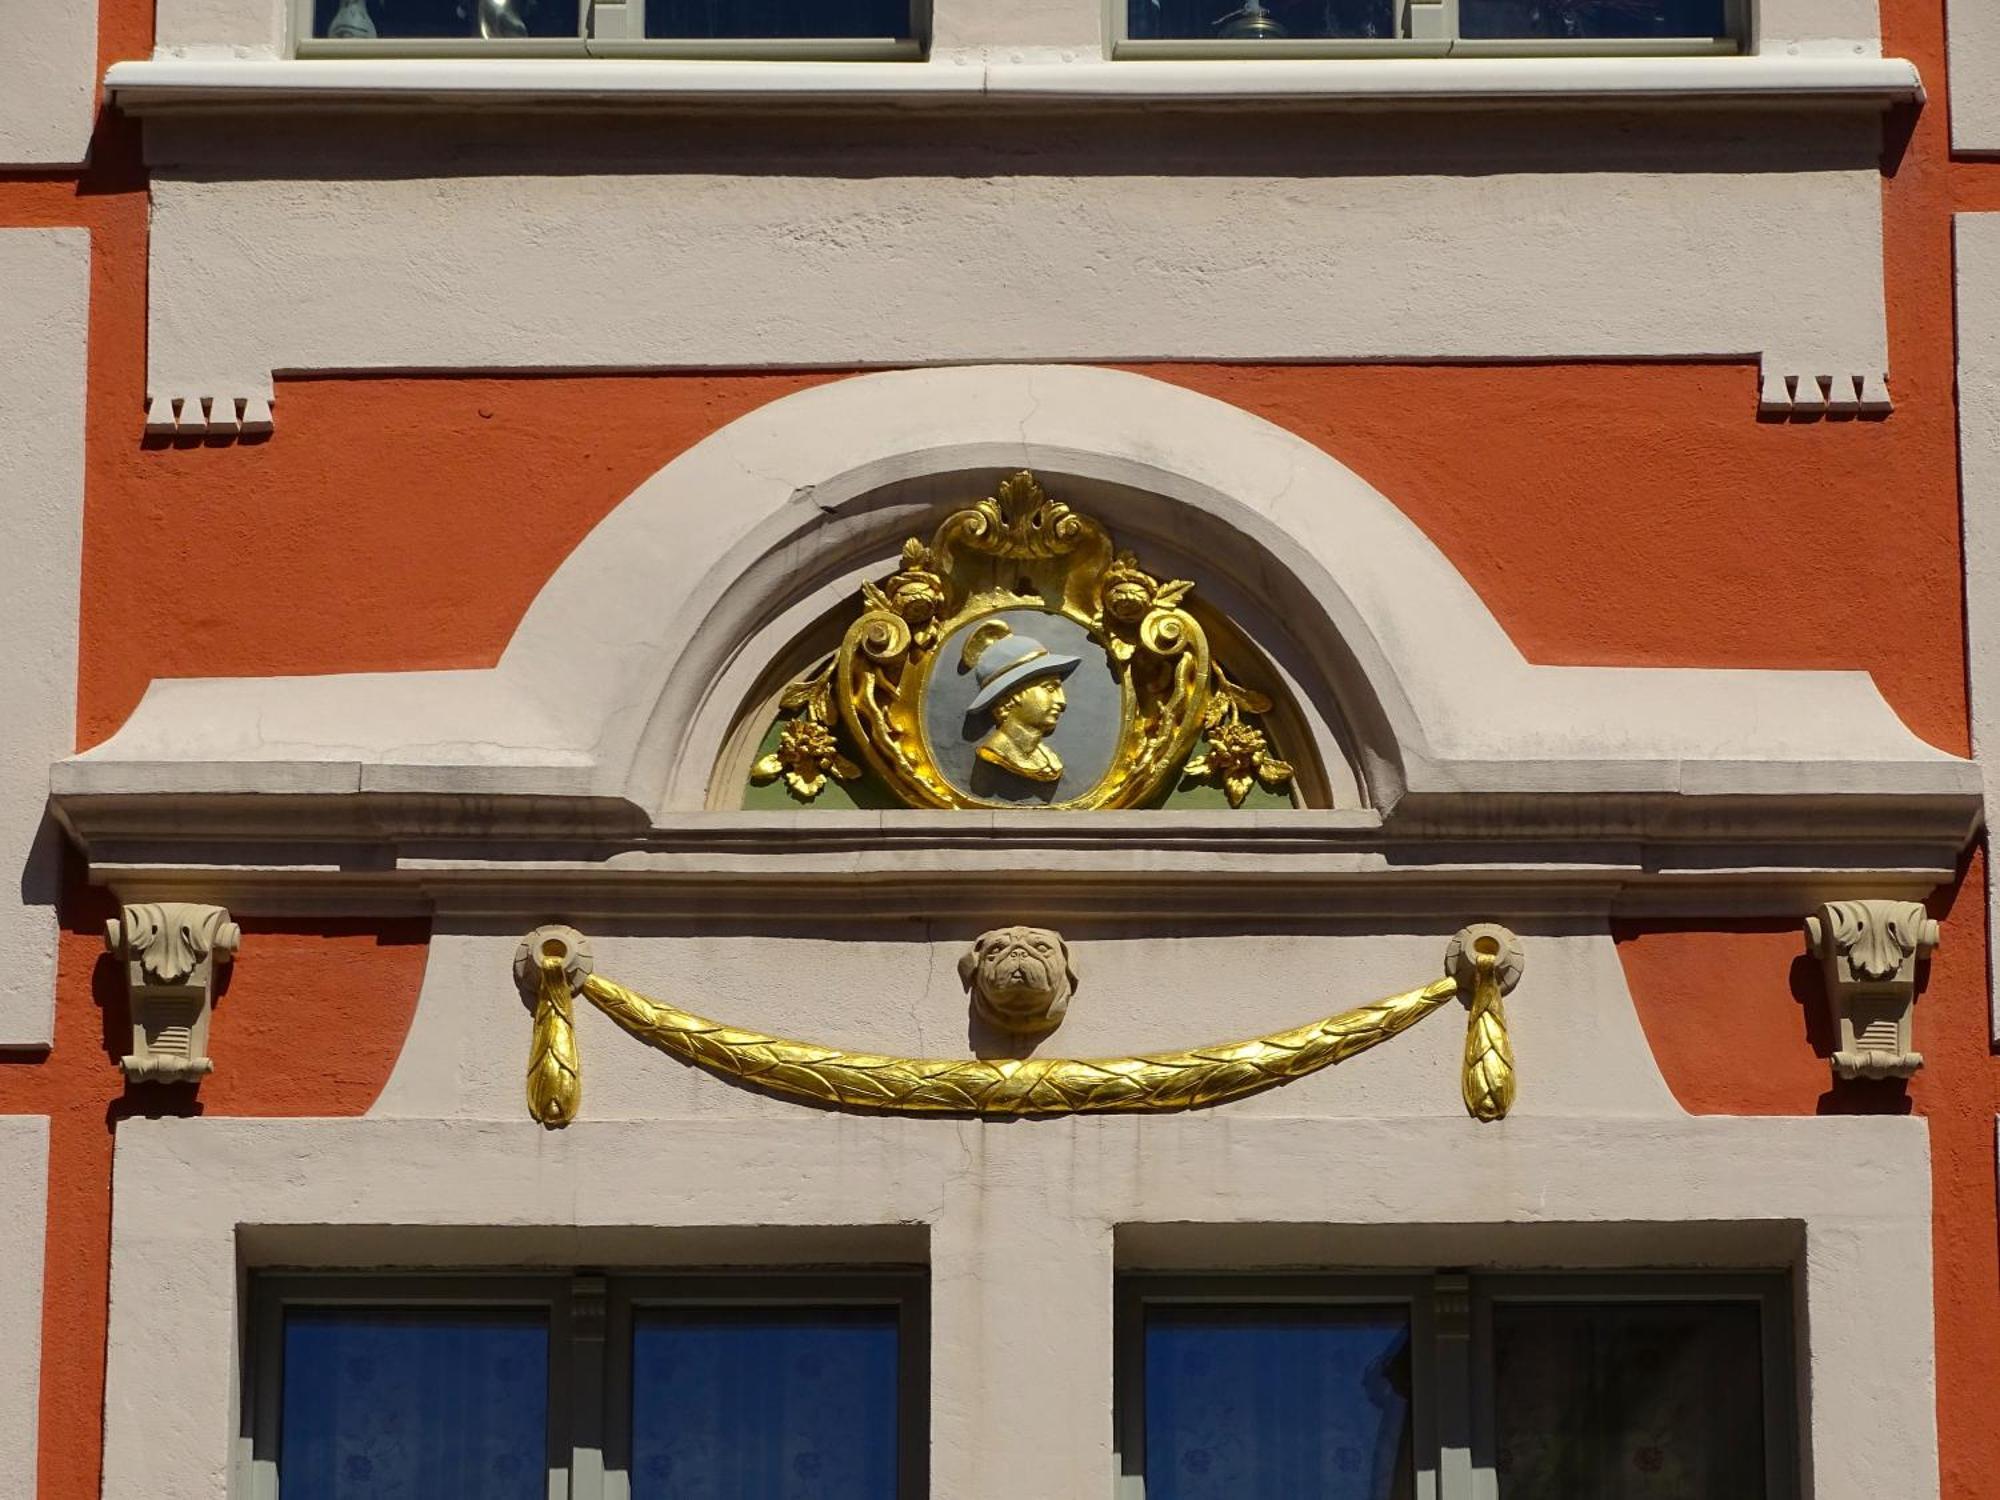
765,1404
416,1404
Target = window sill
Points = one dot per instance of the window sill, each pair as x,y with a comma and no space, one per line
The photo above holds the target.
173,84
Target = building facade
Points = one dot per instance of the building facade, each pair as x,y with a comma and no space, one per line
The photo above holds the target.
1016,750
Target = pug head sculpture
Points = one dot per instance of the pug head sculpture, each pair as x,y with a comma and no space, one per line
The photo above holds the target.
1020,978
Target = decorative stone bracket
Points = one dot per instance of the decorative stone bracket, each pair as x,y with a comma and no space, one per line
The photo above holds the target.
172,950
1870,950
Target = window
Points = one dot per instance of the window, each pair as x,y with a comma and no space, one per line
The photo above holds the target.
1582,1387
521,1388
552,28
1320,28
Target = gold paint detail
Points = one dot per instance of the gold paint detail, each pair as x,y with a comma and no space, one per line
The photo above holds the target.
1488,1079
807,753
1235,753
1012,1086
1019,550
555,1077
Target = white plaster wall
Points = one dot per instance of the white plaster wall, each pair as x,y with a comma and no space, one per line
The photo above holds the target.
48,82
1210,237
44,328
1022,1223
1978,265
894,988
1975,74
24,1210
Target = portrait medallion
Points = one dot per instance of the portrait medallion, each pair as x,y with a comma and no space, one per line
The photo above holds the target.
1016,660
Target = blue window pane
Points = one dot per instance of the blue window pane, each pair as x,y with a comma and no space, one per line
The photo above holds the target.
414,1404
764,1404
410,20
700,20
1592,20
1648,1400
1278,1403
1272,20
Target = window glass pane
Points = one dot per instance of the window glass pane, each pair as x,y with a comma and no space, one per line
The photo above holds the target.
1299,20
1637,1401
415,19
1277,1403
764,1403
1594,20
414,1404
696,20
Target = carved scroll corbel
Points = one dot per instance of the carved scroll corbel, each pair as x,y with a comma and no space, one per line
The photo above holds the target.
1870,950
172,951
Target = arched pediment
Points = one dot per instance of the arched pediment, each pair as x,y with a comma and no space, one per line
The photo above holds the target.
628,673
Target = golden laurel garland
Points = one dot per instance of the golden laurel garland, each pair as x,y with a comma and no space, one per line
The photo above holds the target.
1151,1082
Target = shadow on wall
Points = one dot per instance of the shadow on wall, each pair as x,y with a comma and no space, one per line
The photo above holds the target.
1264,144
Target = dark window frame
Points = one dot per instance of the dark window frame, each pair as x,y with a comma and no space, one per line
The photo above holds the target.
1451,1330
590,1350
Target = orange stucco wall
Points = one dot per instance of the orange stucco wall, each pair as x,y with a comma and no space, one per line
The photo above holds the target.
1607,513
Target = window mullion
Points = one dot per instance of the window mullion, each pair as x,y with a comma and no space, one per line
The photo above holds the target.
1451,1296
586,1387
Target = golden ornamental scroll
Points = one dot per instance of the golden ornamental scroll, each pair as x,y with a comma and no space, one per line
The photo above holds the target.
1156,1082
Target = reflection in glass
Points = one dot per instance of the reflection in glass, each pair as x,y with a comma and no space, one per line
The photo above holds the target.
418,20
1277,1403
764,1404
697,20
1641,1401
414,1404
1591,20
1297,20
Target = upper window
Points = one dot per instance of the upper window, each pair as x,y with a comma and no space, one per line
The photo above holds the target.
1545,1388
1318,28
502,1387
824,28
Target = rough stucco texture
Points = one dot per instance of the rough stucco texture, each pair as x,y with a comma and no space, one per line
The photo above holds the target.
406,523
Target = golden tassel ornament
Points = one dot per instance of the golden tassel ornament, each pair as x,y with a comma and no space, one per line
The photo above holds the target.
555,1083
1488,1081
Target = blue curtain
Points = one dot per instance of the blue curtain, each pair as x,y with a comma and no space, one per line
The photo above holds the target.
703,19
765,1404
414,1404
1277,1403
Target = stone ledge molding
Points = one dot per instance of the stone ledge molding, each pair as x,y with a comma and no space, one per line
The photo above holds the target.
627,673
172,952
179,84
1869,950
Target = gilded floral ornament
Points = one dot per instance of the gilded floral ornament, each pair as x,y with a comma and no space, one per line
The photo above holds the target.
806,756
1017,660
1236,755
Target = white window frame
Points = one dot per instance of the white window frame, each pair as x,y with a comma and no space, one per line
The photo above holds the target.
590,1320
617,28
1424,28
1451,1353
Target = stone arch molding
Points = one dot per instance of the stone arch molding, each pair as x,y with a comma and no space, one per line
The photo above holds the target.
624,674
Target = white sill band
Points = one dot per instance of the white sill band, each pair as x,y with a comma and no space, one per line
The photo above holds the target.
164,84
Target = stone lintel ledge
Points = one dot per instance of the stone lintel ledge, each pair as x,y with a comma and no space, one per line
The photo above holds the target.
197,85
